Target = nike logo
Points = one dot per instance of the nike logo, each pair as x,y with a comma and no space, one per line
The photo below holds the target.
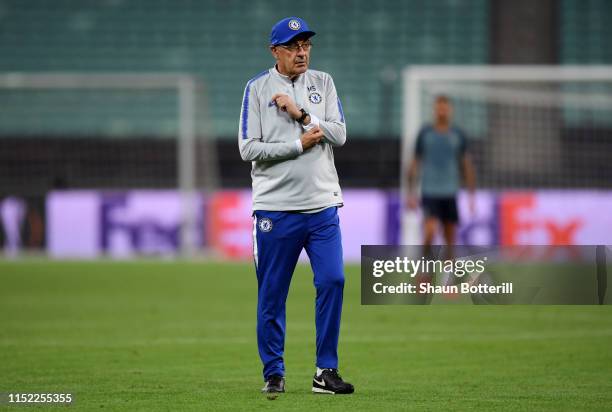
322,382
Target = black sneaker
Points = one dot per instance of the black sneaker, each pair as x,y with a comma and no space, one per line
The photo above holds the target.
330,382
274,385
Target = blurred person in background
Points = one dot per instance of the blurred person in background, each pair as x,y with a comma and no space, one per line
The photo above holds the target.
12,212
291,119
440,160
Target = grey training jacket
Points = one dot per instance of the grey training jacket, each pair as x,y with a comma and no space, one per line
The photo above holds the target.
285,177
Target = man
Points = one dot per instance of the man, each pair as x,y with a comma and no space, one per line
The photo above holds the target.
441,153
291,119
12,213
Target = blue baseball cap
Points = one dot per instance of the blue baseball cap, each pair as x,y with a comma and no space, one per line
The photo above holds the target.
286,29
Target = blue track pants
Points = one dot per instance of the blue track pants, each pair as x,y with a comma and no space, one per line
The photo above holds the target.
279,238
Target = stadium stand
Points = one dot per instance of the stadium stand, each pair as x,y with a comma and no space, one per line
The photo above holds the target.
225,44
585,32
52,139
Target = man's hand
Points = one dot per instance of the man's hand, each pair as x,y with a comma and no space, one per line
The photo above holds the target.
286,104
311,137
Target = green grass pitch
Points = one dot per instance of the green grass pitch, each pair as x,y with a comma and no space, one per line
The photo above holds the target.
181,336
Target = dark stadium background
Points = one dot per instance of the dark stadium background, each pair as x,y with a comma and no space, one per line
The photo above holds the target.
364,45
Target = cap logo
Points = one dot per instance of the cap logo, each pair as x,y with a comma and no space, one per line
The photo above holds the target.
294,24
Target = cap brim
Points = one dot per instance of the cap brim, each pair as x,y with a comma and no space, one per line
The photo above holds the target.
309,33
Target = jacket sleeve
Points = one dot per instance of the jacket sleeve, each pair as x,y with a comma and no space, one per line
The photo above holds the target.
250,139
333,126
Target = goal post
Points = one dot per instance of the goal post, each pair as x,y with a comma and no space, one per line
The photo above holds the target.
538,127
122,106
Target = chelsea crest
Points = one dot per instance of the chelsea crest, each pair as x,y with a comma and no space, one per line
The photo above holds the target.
265,224
315,98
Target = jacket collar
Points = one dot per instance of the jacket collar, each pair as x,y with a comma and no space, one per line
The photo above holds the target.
286,78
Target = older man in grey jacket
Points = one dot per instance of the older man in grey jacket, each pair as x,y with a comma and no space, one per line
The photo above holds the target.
290,121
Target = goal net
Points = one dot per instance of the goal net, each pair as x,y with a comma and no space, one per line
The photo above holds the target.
109,133
528,127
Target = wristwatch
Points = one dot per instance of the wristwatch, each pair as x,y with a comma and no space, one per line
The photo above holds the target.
303,116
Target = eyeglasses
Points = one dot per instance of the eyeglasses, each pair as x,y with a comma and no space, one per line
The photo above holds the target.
294,47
